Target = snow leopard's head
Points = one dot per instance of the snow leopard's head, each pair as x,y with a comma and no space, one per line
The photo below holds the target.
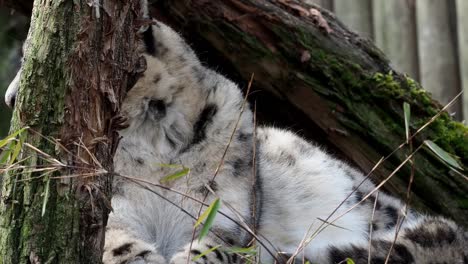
168,96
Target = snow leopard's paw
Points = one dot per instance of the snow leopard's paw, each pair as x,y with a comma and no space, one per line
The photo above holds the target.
122,248
204,252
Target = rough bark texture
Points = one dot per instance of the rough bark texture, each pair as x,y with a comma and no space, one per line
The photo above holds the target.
74,77
327,81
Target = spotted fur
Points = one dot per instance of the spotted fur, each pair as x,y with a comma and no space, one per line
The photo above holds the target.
284,192
270,181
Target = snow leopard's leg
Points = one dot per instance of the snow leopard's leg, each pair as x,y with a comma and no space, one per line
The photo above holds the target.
206,251
122,247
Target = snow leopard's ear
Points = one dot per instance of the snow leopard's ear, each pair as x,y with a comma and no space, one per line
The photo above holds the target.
144,7
146,29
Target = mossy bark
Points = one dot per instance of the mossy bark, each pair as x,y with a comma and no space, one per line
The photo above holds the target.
338,83
78,59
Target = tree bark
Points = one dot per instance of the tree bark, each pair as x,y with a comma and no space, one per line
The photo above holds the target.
331,85
77,64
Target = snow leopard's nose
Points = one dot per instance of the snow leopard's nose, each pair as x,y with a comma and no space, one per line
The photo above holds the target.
157,108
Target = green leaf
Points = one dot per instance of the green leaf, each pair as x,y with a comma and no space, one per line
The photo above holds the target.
164,165
5,154
197,257
4,141
18,147
175,176
443,155
407,112
11,147
349,261
209,215
46,197
241,250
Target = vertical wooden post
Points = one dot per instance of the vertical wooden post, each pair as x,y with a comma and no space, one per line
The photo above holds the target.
395,33
356,14
462,25
437,51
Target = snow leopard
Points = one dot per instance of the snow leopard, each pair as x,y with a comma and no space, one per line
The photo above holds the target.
274,186
276,190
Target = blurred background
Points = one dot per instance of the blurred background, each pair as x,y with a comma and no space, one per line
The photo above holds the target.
13,30
427,39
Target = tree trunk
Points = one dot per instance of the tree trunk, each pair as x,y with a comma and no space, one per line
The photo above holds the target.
78,59
325,81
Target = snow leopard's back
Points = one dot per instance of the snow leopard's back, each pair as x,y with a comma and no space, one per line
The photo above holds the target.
303,185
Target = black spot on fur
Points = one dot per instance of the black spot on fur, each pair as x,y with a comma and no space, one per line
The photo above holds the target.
219,256
124,249
230,241
140,161
337,255
239,166
161,50
157,77
377,260
392,214
244,136
234,258
182,59
214,88
446,235
213,186
144,253
283,258
157,108
177,88
148,39
429,238
204,120
371,201
199,74
287,158
400,254
404,256
359,195
375,227
197,253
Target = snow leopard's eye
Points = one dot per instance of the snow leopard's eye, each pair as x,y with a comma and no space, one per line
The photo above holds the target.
157,108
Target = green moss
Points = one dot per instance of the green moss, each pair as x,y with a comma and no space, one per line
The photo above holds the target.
386,86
